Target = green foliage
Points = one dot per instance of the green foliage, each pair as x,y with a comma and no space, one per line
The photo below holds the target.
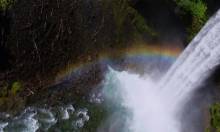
127,18
10,100
196,25
16,87
11,89
198,10
207,130
215,116
120,12
4,4
196,7
141,24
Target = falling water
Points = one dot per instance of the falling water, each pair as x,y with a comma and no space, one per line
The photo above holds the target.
195,64
155,106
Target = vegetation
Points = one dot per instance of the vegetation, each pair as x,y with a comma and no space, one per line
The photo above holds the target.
141,25
4,4
11,89
125,17
16,87
215,117
207,130
9,97
198,10
196,7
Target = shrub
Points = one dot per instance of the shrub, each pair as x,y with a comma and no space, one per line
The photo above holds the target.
215,116
127,18
198,10
16,87
4,4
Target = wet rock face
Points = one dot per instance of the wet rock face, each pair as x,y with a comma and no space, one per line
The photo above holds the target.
43,37
75,87
4,31
39,38
47,34
155,12
4,25
213,5
4,59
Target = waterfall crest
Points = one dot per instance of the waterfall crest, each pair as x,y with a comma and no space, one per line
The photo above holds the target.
195,63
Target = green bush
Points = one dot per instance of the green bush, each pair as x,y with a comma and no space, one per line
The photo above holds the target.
16,87
196,7
10,101
141,25
198,10
125,17
215,116
207,130
11,89
4,4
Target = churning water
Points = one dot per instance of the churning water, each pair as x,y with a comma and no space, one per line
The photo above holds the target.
156,106
33,119
146,106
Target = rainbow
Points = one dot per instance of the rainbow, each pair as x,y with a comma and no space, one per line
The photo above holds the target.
167,53
153,51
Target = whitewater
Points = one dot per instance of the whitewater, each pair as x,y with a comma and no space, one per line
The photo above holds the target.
156,106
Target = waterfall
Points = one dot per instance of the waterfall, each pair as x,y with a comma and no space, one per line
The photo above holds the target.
155,106
195,63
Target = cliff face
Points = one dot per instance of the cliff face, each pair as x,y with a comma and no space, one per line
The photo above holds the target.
39,38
